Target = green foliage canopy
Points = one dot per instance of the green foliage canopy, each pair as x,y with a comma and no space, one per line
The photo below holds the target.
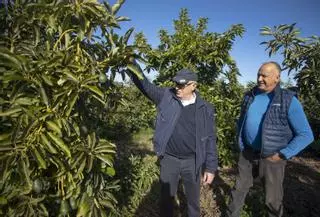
190,46
55,59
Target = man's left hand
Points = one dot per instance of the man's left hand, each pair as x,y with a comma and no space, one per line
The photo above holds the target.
207,178
274,158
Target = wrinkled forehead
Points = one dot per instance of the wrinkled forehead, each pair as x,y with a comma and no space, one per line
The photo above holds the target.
268,69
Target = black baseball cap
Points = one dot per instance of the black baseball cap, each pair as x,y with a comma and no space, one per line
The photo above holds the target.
184,76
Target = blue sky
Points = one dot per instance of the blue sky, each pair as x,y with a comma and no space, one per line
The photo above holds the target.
150,16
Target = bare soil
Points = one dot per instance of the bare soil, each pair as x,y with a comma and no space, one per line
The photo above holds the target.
301,193
301,190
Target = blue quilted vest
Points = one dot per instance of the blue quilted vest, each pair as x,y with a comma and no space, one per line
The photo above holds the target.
276,130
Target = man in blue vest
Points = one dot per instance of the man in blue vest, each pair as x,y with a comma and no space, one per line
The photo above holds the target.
184,139
272,128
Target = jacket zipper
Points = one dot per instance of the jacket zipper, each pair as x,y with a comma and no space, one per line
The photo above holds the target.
263,124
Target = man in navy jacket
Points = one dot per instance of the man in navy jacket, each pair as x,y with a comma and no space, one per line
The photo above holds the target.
272,128
184,139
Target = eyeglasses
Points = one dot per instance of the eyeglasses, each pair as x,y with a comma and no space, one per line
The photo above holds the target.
182,86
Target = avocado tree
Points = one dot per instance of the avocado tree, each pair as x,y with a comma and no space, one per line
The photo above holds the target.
57,60
208,54
190,46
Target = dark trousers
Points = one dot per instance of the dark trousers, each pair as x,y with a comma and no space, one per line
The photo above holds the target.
250,165
171,170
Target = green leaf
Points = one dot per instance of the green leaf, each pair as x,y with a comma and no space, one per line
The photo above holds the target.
9,59
265,33
104,149
91,140
5,148
44,95
78,158
107,6
110,171
73,100
10,112
66,40
127,35
136,70
60,144
37,34
71,76
54,127
60,38
47,79
106,158
82,166
5,143
117,6
25,101
14,77
106,203
84,206
39,158
47,143
99,99
122,18
5,136
94,89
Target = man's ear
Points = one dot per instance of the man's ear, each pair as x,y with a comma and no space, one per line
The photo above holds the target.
278,77
195,85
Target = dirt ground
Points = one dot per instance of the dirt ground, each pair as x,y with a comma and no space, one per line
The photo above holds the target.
301,193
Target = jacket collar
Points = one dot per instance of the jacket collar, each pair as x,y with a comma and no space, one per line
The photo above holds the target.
199,101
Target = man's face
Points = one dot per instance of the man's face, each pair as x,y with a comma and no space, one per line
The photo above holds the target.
268,77
185,91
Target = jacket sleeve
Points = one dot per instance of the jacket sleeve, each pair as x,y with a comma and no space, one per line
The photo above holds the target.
150,90
211,163
302,131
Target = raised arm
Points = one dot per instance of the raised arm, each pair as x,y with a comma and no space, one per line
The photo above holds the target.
150,90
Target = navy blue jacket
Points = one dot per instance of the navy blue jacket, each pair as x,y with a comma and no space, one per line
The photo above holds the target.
276,129
168,112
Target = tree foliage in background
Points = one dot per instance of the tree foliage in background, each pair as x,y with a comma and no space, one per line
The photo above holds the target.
301,57
131,111
226,95
53,69
139,174
190,46
208,54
